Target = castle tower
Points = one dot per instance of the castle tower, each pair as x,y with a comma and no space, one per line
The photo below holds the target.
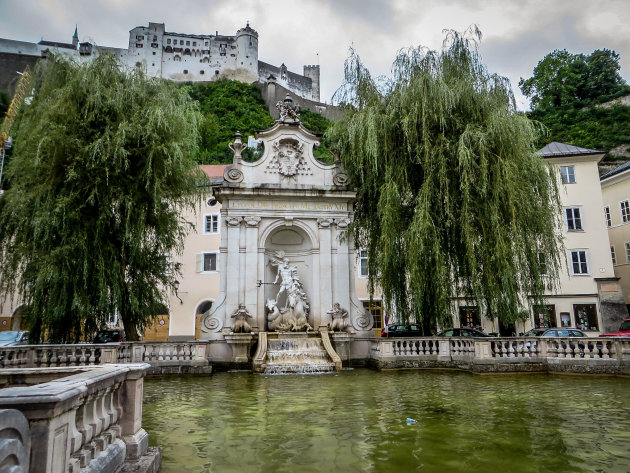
247,51
313,73
75,37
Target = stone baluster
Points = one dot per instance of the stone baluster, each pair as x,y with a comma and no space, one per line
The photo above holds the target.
606,350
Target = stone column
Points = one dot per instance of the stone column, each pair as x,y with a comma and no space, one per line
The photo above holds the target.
343,272
325,268
251,270
233,266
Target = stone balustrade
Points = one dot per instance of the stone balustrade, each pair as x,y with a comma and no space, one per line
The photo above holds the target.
164,357
583,355
44,356
88,421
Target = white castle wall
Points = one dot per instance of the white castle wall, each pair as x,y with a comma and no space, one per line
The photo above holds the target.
186,57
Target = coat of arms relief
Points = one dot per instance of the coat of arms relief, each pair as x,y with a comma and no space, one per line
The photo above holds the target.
288,159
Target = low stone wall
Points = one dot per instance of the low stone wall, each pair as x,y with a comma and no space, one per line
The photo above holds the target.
89,421
505,355
162,357
481,355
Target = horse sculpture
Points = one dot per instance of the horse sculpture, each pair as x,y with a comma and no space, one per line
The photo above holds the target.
290,319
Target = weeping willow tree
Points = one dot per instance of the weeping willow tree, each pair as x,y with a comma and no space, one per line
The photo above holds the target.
453,200
100,173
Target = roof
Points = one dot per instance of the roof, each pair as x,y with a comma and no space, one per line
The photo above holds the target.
57,44
556,150
617,170
214,170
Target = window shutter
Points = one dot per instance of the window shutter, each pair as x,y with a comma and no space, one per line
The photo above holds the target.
199,262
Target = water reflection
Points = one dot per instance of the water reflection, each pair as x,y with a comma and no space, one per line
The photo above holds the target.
356,421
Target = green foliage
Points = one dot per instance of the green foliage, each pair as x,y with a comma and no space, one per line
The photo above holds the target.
101,171
452,198
590,127
564,90
318,124
227,107
562,78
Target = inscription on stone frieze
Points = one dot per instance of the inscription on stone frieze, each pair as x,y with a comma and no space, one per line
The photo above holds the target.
281,205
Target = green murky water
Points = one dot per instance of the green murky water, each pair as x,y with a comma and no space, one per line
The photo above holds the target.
355,421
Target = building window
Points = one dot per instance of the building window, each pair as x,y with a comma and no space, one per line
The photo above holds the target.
376,309
206,43
613,255
469,317
542,264
139,38
168,41
574,219
579,261
202,72
139,45
207,262
185,71
194,43
625,211
567,173
363,264
585,316
187,43
210,224
565,319
607,216
544,316
627,245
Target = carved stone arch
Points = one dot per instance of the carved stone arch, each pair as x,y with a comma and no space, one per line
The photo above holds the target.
264,236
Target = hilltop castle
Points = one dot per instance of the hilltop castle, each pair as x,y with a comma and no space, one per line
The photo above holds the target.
180,57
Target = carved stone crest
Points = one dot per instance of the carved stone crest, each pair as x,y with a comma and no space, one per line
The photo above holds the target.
288,158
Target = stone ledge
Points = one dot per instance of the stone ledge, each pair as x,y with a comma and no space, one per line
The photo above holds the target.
150,462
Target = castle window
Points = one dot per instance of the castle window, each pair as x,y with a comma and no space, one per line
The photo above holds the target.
202,72
139,38
187,43
177,58
233,55
187,52
168,41
194,43
206,43
138,45
154,53
153,64
216,73
185,71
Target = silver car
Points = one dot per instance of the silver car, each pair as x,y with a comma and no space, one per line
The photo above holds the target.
13,337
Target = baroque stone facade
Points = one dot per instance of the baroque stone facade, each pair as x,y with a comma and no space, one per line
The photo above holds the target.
175,56
285,249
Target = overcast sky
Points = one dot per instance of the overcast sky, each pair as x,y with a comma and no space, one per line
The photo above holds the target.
516,33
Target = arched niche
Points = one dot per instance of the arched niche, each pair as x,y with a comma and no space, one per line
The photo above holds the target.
295,244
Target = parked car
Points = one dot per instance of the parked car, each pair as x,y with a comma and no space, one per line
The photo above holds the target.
555,332
402,330
13,337
110,335
624,330
462,332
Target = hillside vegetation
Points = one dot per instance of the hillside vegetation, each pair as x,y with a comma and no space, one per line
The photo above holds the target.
229,106
567,92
